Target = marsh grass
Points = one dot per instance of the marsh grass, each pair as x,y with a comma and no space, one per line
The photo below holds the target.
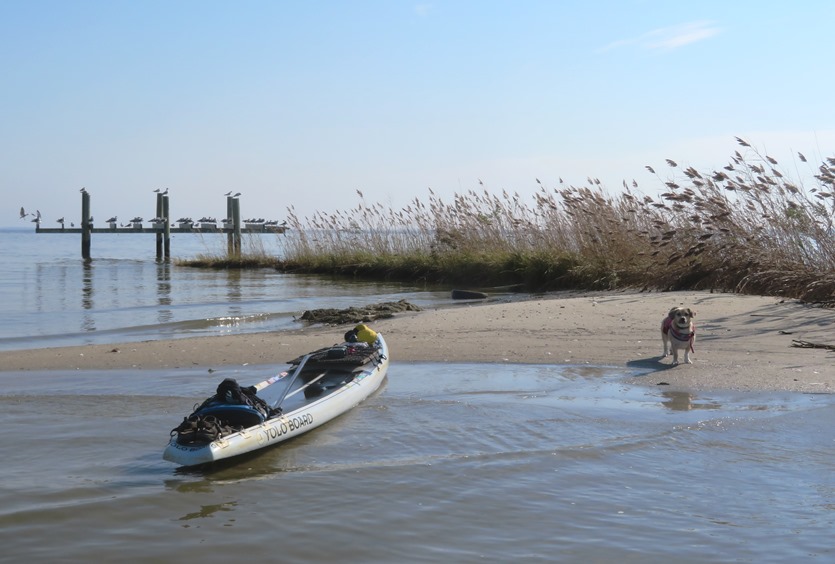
253,254
747,228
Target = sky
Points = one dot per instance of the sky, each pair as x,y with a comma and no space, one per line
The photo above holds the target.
305,103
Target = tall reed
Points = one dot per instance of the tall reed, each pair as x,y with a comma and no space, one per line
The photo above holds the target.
746,228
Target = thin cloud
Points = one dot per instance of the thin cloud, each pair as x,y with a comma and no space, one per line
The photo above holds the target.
669,38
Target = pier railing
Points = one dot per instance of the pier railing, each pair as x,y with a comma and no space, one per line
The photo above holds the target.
161,226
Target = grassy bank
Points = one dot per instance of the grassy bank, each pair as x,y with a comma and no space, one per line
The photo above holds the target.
253,255
746,228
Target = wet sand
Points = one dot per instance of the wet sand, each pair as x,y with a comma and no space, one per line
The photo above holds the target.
742,342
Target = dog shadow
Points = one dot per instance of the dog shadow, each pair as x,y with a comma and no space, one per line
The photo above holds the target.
652,365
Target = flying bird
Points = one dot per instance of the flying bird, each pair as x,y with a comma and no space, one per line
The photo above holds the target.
23,213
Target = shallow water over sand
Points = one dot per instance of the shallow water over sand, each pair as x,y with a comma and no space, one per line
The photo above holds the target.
447,463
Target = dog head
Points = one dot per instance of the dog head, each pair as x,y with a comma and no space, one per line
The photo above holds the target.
682,317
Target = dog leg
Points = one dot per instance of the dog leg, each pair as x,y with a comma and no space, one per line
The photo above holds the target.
689,348
674,350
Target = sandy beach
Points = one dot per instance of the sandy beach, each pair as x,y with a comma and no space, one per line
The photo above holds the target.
742,342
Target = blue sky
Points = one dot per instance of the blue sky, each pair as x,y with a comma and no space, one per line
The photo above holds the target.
303,103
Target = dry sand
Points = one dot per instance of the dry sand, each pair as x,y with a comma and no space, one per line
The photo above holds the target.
742,342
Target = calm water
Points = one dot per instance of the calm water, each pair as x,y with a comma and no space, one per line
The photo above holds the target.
53,298
447,463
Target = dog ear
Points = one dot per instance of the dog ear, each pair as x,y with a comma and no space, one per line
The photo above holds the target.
672,312
692,312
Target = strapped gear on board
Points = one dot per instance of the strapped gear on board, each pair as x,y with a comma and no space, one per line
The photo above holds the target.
231,393
201,428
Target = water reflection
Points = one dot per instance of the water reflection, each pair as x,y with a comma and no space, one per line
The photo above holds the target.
88,322
233,285
209,510
258,465
165,313
234,292
685,401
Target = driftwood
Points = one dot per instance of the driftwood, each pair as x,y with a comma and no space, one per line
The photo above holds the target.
808,345
364,314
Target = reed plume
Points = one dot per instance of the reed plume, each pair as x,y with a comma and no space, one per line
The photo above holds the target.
748,227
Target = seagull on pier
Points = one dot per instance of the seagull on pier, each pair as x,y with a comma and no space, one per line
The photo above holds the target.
229,193
61,221
156,191
112,220
165,192
236,195
83,190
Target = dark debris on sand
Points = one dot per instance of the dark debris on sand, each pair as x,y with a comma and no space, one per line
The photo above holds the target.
363,314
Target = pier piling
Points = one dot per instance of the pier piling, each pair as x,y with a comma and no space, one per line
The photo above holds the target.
85,224
167,228
161,226
236,226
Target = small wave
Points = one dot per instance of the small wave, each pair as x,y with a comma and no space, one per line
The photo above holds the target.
166,330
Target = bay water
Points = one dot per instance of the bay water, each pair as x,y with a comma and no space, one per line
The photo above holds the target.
446,463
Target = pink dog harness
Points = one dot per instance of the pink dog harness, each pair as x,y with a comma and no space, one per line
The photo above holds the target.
670,329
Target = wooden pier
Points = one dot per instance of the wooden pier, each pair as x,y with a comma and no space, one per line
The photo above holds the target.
161,226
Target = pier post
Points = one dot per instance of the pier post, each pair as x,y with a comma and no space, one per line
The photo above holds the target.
167,217
230,236
236,222
85,224
159,233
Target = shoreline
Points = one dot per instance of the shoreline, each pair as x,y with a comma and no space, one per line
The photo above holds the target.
742,342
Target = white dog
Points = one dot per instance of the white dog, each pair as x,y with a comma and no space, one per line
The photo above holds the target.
678,332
